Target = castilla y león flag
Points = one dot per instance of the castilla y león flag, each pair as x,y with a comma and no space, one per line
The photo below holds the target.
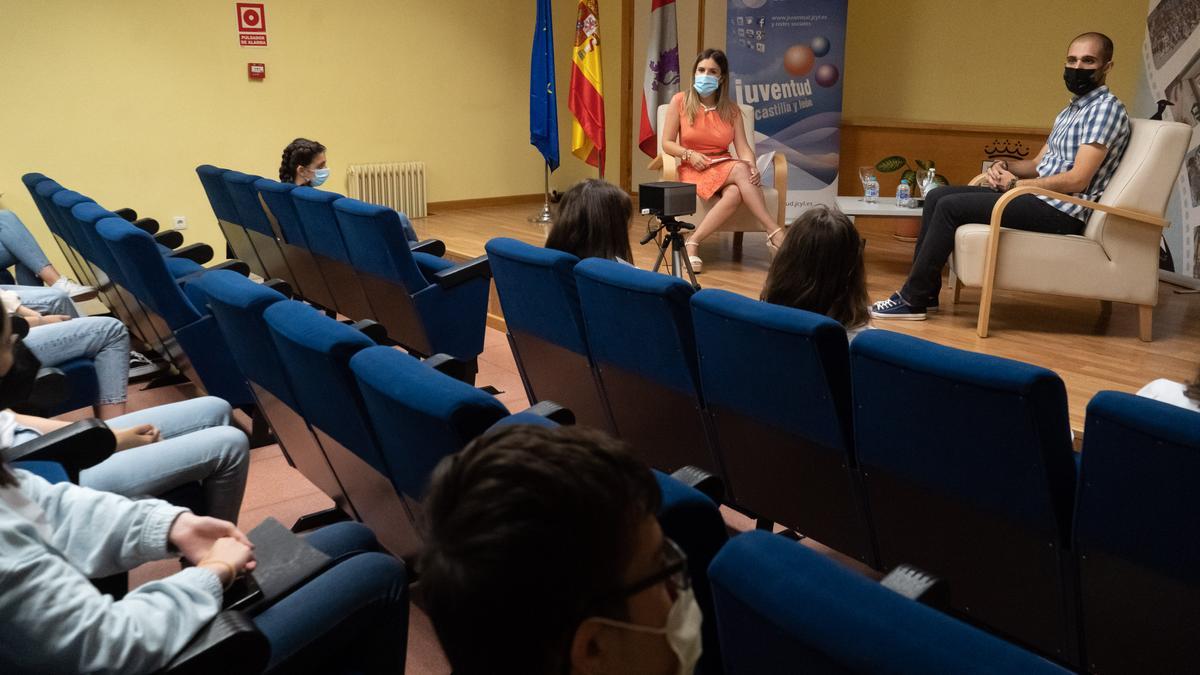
586,99
661,80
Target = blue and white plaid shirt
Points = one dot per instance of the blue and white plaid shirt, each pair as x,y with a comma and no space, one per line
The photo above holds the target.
1096,117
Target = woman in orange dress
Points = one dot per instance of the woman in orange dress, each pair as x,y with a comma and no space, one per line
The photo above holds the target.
701,124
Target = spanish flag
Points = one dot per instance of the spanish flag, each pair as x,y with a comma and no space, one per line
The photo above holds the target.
586,99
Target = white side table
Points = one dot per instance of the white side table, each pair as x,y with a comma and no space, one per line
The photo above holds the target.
908,220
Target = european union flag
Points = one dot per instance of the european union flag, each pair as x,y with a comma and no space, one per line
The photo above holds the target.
543,104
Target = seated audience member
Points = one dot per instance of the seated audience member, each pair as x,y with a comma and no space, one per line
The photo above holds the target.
544,557
1175,393
1085,146
304,163
52,619
18,247
58,338
819,268
593,222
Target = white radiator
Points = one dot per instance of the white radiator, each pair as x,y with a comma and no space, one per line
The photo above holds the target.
400,185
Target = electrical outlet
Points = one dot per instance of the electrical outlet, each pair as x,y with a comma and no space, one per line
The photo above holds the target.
179,222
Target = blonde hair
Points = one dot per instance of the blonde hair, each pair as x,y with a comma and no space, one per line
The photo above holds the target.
726,107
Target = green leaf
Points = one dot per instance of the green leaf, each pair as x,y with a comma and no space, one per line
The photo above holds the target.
922,164
911,177
940,179
890,164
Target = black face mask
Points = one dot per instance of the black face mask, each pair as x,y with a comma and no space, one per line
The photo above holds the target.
1080,80
17,386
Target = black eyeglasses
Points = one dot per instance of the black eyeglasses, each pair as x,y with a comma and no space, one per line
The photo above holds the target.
674,573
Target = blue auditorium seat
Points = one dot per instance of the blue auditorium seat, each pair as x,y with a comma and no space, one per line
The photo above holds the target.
783,608
315,211
1135,535
211,179
278,206
545,328
253,219
776,382
970,475
237,304
639,329
192,337
52,472
31,181
315,351
441,310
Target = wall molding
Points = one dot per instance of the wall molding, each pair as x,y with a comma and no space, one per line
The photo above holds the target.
883,123
482,202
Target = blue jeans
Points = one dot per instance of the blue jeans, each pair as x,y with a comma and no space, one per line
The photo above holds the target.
44,300
18,247
198,444
104,340
351,617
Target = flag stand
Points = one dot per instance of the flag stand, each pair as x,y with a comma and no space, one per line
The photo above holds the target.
543,218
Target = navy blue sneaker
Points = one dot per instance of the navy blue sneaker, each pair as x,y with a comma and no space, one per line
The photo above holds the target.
896,308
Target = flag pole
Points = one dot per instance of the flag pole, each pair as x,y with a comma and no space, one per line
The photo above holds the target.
543,218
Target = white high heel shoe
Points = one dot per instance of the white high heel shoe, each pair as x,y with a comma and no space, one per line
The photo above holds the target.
694,260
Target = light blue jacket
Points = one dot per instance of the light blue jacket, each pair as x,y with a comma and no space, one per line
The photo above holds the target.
53,538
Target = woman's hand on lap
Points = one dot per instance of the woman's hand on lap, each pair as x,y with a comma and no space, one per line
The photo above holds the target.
197,537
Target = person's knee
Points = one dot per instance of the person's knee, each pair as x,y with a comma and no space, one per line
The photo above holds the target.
213,411
732,193
231,445
740,172
343,539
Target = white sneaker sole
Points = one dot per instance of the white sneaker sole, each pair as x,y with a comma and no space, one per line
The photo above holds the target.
897,317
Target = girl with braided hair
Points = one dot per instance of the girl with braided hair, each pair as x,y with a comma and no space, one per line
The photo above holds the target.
303,163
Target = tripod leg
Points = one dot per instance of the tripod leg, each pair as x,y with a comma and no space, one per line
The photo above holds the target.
662,252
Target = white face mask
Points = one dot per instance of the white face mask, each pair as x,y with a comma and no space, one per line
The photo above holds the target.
682,630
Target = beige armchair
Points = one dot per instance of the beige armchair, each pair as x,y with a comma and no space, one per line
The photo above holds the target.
741,221
1116,257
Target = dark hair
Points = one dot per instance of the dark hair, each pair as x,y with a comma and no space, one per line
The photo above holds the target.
1106,43
592,221
298,153
528,529
819,268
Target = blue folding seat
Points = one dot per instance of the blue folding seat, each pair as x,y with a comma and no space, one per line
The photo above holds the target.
783,608
545,328
31,181
191,334
315,209
1135,536
970,475
279,209
776,383
237,304
435,308
253,219
315,351
639,329
228,219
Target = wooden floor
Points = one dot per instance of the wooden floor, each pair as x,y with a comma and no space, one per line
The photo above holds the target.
1091,351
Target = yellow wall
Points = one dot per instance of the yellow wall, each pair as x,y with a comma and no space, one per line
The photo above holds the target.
976,62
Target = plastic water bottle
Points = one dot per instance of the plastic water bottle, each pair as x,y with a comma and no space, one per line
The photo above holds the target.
871,188
903,193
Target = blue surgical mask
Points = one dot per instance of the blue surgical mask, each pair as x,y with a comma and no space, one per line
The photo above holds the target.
319,177
706,84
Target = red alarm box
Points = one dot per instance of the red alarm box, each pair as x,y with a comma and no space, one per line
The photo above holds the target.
256,71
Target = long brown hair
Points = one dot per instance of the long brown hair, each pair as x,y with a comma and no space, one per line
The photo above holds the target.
593,222
726,108
819,268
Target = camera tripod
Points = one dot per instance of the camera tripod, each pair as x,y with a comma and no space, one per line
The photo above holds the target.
674,241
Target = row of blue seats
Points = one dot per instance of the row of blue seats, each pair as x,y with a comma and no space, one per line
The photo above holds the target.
368,424
891,449
360,260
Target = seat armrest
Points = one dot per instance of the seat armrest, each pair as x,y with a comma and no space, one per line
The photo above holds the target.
76,446
435,247
694,477
463,371
281,287
670,167
169,238
478,268
128,214
234,265
49,389
917,584
197,253
147,225
374,330
229,644
552,411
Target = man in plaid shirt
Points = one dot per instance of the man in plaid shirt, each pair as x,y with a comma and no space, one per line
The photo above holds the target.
1085,146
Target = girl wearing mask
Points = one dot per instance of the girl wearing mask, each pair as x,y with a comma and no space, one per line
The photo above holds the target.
700,125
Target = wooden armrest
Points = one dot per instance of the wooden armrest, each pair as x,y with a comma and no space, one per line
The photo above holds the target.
670,167
1138,216
978,181
779,165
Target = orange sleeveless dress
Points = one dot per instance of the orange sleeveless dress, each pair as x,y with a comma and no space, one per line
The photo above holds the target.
711,136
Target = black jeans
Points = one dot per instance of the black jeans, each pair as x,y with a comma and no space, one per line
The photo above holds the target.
950,206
